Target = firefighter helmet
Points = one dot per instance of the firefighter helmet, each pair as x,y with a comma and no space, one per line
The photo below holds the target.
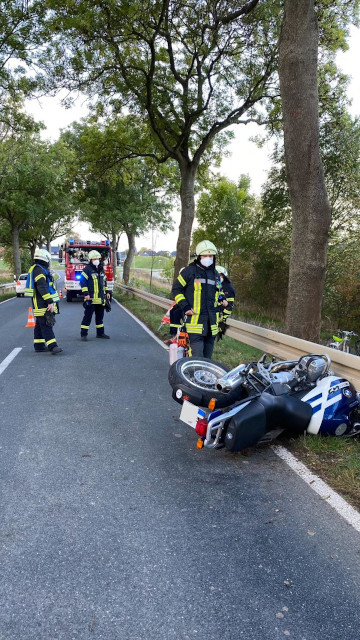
205,248
42,254
94,255
221,270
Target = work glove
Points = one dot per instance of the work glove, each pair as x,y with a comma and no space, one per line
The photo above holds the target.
50,318
222,330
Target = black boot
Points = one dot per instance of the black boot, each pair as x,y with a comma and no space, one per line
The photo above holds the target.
56,350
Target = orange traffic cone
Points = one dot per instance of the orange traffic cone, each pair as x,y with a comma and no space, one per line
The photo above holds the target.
31,320
60,293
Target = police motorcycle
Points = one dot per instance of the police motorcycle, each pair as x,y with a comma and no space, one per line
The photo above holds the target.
256,401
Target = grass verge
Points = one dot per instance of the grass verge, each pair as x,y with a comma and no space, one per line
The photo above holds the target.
335,460
6,296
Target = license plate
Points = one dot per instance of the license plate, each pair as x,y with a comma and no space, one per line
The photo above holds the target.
190,413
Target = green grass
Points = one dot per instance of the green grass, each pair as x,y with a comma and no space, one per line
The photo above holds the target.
148,262
5,279
335,460
6,296
5,274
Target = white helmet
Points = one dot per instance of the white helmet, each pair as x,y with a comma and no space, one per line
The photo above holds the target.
221,270
94,255
42,254
205,248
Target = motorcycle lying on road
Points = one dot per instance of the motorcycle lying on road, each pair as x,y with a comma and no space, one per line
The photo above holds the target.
258,400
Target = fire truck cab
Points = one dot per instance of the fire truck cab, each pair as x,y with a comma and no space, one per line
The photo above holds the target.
75,255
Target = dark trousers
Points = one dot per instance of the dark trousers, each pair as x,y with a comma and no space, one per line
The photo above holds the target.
202,346
99,317
43,335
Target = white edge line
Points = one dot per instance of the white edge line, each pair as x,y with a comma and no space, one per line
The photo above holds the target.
8,299
320,487
5,363
164,346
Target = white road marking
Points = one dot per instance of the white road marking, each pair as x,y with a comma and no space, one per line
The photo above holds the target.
325,492
319,486
142,325
5,363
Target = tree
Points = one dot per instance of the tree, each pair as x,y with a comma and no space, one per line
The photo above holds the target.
311,214
193,68
253,243
221,211
117,193
35,198
20,28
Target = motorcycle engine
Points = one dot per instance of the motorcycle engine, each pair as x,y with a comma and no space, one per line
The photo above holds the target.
283,377
313,366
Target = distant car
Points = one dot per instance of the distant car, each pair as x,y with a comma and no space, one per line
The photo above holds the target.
21,284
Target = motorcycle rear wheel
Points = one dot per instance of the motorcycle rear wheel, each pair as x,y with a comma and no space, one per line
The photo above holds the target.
201,375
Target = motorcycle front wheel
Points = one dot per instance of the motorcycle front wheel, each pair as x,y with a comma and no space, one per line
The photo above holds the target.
197,378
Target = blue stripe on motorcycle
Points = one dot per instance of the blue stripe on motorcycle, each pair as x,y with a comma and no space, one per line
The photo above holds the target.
309,400
317,408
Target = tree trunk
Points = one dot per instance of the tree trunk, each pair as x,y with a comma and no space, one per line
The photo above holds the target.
16,249
311,214
114,246
32,247
188,173
129,257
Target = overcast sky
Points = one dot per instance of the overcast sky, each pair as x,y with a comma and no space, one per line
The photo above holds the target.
244,156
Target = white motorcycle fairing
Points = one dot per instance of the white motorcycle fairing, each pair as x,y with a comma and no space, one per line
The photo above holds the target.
332,401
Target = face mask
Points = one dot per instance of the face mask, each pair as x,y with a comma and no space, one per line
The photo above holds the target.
206,262
96,262
221,278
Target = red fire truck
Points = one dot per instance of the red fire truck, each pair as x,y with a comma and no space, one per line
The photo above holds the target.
75,255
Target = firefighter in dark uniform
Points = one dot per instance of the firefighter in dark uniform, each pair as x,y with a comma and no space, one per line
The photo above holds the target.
228,291
45,300
95,290
196,292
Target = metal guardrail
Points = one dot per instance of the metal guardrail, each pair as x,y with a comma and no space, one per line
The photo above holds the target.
7,287
275,343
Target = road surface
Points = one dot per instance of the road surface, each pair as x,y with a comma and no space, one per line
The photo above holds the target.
115,527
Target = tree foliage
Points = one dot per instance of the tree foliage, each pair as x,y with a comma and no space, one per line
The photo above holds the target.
20,40
192,68
36,202
117,192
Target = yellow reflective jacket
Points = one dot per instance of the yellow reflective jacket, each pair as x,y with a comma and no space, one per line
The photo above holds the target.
196,288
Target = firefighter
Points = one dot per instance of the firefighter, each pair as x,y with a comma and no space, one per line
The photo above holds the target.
95,290
196,292
45,300
228,291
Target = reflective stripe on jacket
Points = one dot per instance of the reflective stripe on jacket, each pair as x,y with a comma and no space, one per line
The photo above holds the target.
229,293
93,283
196,288
41,288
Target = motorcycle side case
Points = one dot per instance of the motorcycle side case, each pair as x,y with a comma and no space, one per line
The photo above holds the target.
246,427
265,413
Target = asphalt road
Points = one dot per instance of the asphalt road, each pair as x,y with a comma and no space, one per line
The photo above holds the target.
115,527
